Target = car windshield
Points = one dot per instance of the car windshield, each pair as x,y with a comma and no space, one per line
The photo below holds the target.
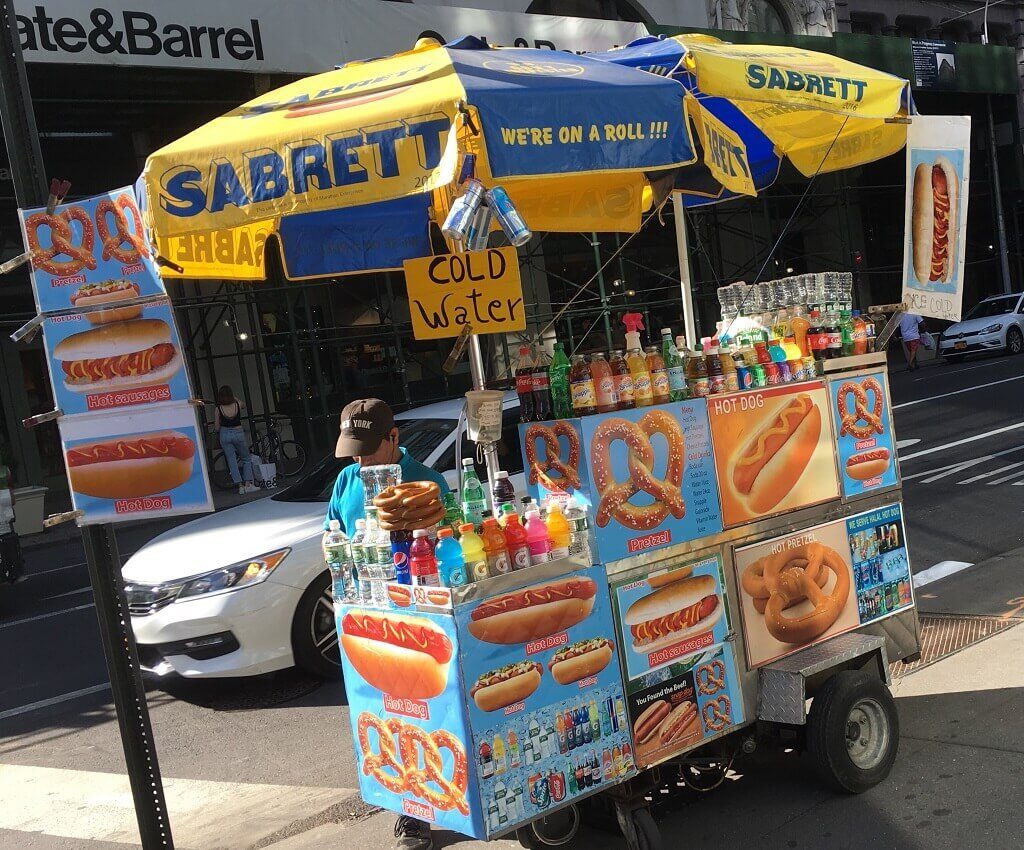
993,307
419,437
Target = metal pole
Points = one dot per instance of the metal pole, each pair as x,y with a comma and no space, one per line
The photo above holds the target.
683,248
478,374
28,173
997,199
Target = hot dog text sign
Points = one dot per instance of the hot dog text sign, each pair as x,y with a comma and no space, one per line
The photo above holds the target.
651,477
773,451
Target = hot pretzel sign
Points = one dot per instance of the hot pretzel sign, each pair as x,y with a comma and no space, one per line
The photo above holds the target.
90,242
863,431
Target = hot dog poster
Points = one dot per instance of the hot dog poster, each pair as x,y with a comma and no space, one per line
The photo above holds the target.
774,451
105,365
89,252
544,695
553,459
652,478
802,588
408,721
864,435
146,462
935,226
673,626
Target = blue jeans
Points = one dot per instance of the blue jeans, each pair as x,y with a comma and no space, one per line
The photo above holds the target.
235,446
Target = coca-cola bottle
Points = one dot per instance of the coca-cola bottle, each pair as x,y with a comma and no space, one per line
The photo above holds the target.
541,387
524,384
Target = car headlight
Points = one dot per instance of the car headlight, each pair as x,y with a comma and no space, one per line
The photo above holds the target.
991,329
242,574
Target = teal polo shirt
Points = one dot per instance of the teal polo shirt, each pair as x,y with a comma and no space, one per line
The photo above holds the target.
348,499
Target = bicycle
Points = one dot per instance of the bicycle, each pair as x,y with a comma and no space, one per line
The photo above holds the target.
288,456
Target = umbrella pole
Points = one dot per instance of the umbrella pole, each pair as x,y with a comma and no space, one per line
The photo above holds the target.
683,248
478,375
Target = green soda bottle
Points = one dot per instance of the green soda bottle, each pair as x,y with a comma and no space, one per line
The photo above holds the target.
558,375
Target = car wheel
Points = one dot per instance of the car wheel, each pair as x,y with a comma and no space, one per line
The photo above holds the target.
1014,340
314,634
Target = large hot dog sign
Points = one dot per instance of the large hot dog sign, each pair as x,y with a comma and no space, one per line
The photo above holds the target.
773,451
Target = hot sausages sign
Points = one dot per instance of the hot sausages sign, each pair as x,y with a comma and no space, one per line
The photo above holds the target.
478,288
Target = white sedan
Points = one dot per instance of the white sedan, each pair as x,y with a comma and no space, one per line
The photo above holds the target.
994,324
244,591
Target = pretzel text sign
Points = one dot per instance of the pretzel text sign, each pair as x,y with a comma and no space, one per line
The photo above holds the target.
864,437
88,243
478,288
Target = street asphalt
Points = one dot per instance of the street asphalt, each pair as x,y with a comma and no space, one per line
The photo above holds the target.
961,433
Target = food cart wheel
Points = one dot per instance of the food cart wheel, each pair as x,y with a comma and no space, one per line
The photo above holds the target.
555,830
853,731
648,835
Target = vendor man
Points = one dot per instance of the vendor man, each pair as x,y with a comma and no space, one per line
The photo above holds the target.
369,436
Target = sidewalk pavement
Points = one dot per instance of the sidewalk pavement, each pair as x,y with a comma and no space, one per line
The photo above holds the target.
955,783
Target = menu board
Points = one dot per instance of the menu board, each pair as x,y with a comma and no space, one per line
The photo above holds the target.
774,451
652,477
865,441
137,464
102,366
408,720
682,688
545,700
89,252
802,588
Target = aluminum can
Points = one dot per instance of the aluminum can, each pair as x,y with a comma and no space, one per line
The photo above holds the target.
508,216
460,217
480,229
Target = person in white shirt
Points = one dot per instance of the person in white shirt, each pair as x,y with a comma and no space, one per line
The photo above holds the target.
910,330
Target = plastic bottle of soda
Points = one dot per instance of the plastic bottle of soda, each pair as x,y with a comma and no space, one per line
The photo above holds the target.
623,381
558,532
697,375
504,493
604,384
517,542
636,360
817,342
581,385
835,336
537,538
422,563
558,378
716,375
846,332
660,386
473,553
524,384
860,334
452,512
541,387
474,500
451,566
496,551
732,380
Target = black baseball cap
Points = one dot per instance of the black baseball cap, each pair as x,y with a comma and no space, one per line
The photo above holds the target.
364,425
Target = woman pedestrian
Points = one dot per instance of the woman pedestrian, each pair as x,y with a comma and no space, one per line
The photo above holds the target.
228,422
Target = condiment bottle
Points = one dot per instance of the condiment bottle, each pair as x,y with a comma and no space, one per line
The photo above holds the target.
581,385
660,386
604,384
623,381
697,375
643,391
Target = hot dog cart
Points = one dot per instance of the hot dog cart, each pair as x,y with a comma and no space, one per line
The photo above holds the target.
708,613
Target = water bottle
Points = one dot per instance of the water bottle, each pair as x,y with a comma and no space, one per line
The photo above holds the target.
339,562
579,540
361,569
385,569
474,500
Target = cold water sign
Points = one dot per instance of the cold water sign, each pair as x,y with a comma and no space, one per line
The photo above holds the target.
480,288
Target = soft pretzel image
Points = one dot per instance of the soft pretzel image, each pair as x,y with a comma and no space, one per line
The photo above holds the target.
405,757
614,495
871,419
124,244
61,242
780,581
716,713
711,677
567,471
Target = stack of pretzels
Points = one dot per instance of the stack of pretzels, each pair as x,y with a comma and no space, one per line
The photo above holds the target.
410,506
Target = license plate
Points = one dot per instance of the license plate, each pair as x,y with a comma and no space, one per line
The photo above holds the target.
960,344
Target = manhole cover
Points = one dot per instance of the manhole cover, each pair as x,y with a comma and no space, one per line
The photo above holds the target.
944,634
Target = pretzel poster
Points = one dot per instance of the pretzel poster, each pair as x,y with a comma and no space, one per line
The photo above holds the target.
89,252
864,436
408,720
774,450
682,688
553,459
800,589
652,477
